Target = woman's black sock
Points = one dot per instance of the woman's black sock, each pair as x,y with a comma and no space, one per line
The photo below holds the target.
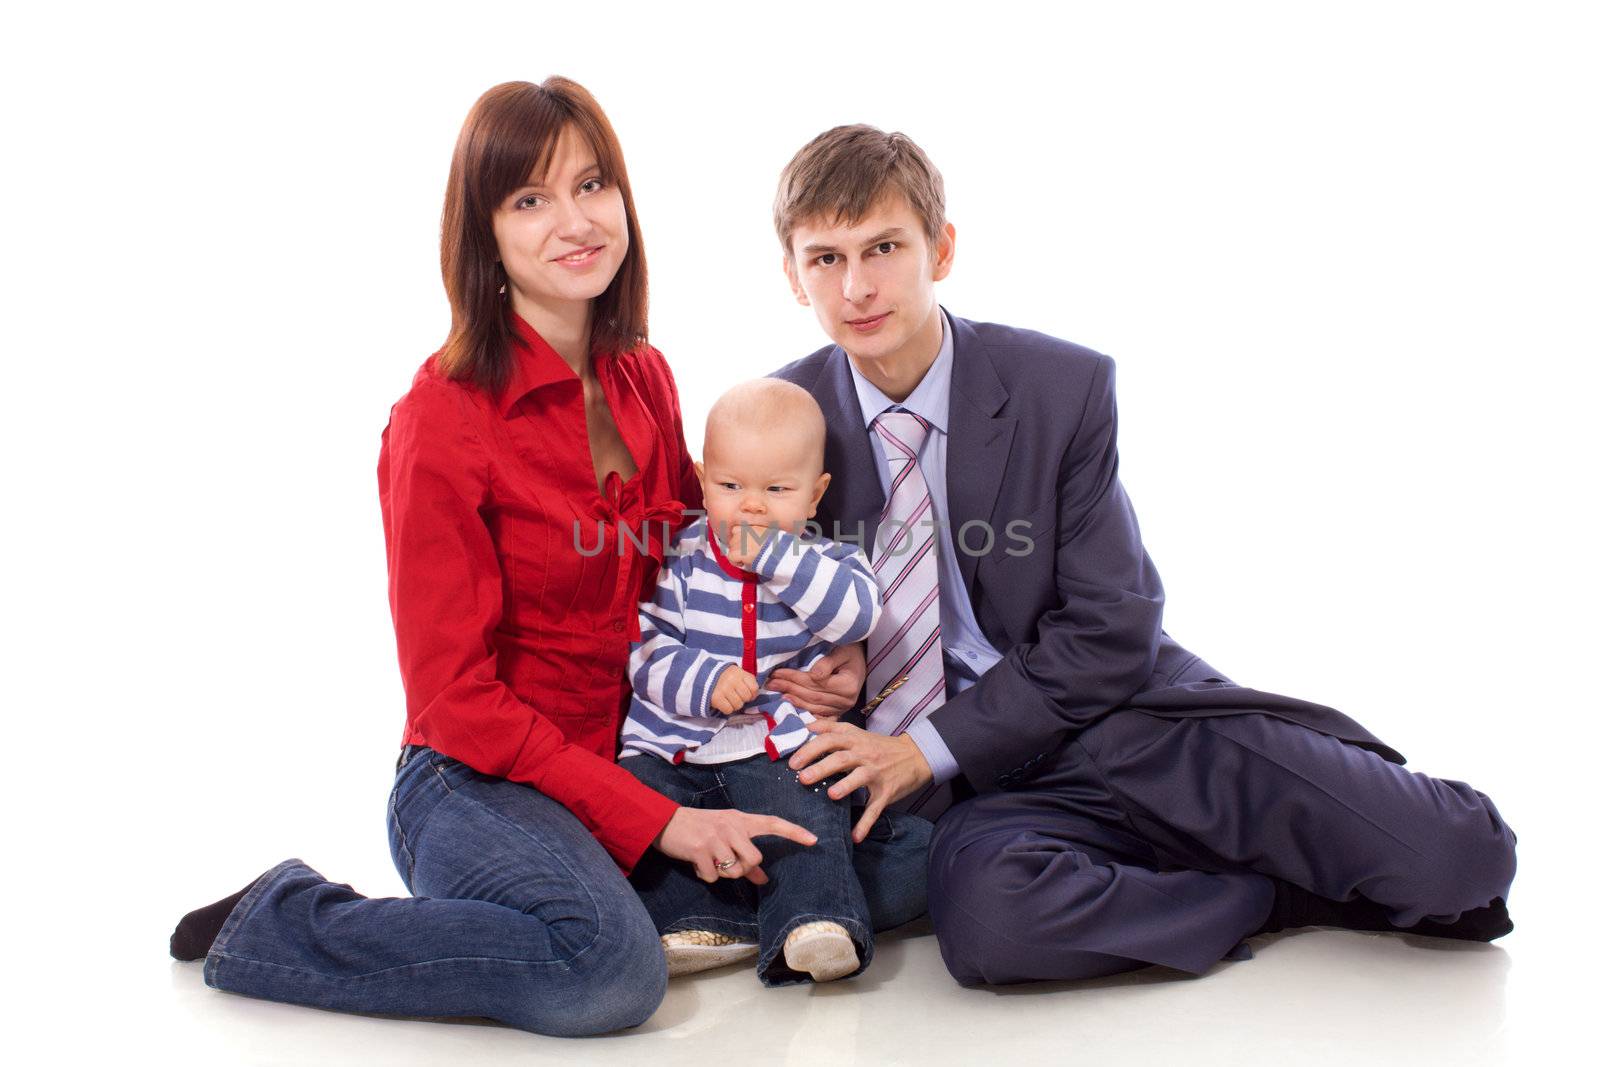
196,930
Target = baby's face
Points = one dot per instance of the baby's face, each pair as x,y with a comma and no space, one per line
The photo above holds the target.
762,477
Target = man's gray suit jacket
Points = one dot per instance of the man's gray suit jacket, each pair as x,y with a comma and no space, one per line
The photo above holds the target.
1077,620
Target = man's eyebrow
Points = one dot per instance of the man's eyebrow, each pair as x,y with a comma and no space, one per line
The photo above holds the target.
877,238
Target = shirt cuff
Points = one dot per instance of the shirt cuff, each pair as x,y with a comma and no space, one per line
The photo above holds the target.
934,750
779,542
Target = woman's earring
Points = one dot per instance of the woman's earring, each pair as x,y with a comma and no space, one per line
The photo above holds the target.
502,288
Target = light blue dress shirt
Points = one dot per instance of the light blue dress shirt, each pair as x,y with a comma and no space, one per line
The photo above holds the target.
967,653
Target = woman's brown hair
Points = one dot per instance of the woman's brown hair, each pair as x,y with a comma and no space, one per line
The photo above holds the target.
510,134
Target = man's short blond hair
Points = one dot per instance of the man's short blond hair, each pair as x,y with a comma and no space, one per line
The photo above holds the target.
843,173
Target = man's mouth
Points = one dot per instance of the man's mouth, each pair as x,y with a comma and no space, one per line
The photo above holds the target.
866,325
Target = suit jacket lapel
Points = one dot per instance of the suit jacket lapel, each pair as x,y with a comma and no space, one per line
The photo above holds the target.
979,445
854,494
975,456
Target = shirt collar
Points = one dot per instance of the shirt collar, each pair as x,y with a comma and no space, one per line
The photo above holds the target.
930,399
534,364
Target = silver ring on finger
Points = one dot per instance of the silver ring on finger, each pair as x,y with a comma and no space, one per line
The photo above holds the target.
726,865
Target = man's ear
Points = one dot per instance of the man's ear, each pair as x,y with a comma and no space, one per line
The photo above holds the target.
816,494
944,256
794,281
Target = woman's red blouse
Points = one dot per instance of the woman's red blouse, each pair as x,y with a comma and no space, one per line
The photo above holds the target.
512,628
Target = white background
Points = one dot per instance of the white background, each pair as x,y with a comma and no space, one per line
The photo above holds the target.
1344,255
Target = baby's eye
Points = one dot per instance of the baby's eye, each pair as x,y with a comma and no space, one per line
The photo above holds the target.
730,486
777,488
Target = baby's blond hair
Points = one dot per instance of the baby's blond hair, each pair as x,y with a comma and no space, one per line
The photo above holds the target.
770,405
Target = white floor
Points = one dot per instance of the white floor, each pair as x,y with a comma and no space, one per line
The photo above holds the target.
1309,997
1312,997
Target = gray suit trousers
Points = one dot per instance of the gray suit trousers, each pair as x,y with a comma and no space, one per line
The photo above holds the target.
1151,838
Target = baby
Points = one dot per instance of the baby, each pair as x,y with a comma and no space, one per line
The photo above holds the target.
742,595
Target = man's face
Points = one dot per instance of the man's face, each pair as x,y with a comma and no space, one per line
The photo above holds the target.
871,283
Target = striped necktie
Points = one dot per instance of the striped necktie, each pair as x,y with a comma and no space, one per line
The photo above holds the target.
904,653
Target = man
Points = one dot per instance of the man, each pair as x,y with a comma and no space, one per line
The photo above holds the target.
1117,801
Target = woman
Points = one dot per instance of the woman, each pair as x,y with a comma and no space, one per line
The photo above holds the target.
544,427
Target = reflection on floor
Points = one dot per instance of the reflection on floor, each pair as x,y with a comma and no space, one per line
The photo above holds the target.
1318,996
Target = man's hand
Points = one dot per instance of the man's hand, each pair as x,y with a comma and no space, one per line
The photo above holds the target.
889,767
735,688
830,687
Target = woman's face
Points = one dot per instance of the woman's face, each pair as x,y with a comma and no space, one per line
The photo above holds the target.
563,235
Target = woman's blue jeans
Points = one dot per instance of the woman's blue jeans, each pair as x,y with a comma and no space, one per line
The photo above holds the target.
518,915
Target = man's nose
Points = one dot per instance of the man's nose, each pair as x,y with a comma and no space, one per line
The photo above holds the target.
858,287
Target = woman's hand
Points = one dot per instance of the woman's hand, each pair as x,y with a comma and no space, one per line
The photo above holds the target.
708,838
830,687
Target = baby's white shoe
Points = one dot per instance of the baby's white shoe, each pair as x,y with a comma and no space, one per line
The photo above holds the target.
821,949
690,951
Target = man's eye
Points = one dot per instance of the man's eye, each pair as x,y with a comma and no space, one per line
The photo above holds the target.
826,259
885,247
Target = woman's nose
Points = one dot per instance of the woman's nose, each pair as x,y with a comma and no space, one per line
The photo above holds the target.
571,222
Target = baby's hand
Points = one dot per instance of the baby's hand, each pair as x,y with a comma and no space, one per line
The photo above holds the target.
745,542
736,688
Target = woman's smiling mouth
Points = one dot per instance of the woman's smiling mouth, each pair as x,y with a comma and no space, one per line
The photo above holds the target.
581,258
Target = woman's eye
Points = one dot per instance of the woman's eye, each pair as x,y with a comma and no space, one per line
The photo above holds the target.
593,185
530,201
